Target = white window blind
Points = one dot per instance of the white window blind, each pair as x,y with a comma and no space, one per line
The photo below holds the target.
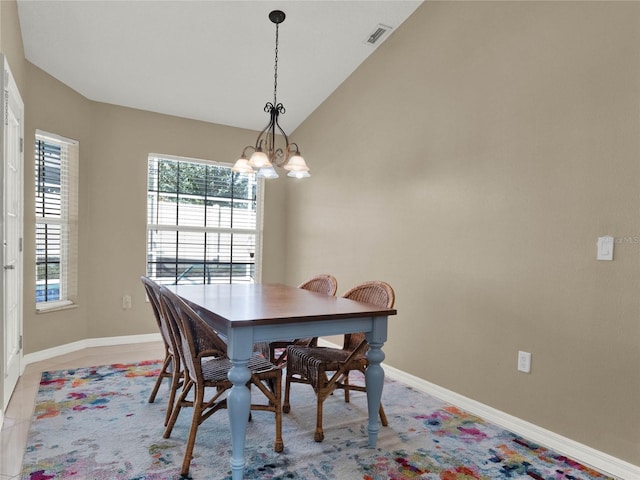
56,205
203,222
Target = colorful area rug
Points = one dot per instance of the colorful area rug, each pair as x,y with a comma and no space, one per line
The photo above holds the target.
96,424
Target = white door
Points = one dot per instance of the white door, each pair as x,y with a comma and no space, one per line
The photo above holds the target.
12,203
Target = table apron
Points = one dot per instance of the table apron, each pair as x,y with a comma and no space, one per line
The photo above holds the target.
242,338
263,333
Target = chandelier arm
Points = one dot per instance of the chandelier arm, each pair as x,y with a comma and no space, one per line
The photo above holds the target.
297,148
244,150
259,140
284,154
271,137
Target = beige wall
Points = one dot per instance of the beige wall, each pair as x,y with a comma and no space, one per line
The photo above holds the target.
500,139
472,162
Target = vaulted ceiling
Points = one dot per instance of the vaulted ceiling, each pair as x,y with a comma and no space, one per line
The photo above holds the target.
205,60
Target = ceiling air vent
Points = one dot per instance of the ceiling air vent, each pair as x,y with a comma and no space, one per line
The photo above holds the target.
377,34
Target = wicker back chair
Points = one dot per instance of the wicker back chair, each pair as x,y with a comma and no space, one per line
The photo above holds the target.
171,367
327,369
204,355
276,352
323,283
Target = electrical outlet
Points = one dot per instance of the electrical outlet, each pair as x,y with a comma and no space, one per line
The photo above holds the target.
126,302
524,362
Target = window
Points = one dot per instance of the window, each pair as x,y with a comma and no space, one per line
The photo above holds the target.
56,203
202,222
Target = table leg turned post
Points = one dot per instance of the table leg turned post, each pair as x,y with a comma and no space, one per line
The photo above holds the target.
374,376
239,400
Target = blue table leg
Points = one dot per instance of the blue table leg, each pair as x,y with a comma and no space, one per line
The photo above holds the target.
374,375
239,398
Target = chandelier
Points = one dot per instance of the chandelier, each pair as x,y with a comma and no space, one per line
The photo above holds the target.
266,155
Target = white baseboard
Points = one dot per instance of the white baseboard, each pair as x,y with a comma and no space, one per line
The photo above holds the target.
584,454
88,343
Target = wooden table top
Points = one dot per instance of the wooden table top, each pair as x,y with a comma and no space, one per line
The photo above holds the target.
236,305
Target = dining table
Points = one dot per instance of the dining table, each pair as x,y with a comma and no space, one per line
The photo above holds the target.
261,312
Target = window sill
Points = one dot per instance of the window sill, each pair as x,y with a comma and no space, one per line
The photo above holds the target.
55,306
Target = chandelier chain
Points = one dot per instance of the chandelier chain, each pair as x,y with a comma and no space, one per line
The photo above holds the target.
275,70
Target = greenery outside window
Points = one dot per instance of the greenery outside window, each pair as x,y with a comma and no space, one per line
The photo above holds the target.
203,222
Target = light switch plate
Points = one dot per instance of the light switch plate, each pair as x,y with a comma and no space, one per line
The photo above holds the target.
524,362
605,248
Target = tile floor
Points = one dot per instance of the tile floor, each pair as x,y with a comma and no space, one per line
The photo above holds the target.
13,437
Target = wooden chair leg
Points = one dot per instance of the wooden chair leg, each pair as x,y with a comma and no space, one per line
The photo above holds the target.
161,376
286,407
383,416
278,445
318,436
195,423
346,387
177,408
175,384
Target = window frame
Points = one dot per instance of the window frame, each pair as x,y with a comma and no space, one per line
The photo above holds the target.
68,220
257,230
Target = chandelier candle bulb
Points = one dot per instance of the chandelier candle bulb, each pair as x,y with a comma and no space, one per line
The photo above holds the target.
242,166
259,160
296,164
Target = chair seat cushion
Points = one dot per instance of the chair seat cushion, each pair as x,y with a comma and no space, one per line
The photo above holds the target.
312,362
216,369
